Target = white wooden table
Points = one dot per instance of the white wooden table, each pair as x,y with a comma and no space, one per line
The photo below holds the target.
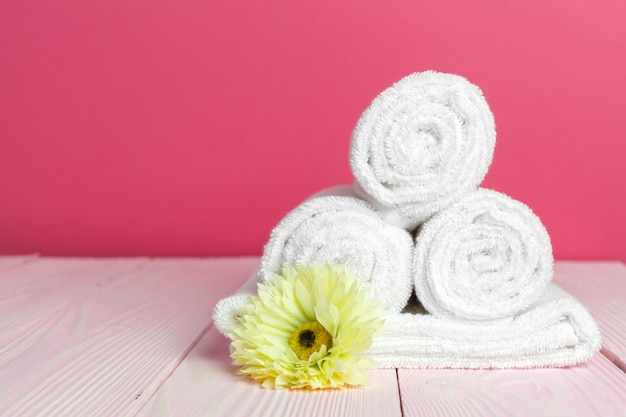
133,337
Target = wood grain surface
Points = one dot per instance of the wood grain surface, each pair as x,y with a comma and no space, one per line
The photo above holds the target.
596,388
7,262
37,289
206,384
126,337
109,338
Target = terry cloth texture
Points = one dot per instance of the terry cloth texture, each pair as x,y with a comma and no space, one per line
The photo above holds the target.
422,144
485,257
348,231
556,331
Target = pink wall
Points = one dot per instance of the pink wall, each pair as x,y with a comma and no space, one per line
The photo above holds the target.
188,127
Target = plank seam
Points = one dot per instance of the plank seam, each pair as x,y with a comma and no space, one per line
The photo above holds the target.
613,358
146,398
399,394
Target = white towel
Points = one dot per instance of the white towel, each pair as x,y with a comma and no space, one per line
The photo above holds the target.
556,331
485,257
422,144
345,230
389,215
228,309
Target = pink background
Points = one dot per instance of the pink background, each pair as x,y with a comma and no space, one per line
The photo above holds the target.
188,127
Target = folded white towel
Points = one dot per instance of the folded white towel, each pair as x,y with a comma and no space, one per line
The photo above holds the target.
422,144
346,230
556,331
485,257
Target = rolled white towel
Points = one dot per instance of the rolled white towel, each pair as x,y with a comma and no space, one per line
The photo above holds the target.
422,144
485,257
345,230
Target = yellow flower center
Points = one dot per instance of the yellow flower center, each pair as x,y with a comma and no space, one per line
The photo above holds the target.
308,339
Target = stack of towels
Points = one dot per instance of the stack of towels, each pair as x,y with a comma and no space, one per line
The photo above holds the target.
463,272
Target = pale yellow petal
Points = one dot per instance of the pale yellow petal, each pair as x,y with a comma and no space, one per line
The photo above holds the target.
327,294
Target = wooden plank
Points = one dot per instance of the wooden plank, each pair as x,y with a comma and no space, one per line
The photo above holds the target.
9,262
105,352
594,388
601,288
35,289
206,384
597,388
